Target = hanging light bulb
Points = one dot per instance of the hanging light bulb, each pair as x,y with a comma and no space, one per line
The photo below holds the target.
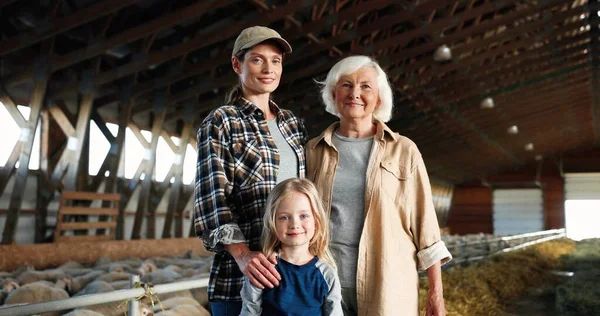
529,147
487,103
442,53
513,130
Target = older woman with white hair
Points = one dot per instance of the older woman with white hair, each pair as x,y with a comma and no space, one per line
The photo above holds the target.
374,182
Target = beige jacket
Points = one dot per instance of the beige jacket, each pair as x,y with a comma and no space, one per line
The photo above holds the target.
400,234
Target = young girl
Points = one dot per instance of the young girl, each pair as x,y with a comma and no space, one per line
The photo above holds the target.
296,230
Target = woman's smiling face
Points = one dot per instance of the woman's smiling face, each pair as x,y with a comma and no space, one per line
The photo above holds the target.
356,95
260,71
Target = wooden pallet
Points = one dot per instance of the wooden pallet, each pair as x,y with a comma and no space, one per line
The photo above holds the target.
111,212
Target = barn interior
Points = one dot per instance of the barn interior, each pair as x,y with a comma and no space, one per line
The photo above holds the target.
101,101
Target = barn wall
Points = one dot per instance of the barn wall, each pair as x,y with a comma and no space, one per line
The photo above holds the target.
471,210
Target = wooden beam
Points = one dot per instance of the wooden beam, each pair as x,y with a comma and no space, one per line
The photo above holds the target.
102,45
69,159
41,216
101,124
291,34
9,167
178,183
27,135
62,120
12,109
150,160
52,27
116,152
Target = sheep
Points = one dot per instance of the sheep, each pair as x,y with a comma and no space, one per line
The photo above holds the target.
70,265
46,275
35,293
95,287
8,286
147,267
115,309
185,310
75,285
173,302
159,278
120,285
83,312
114,276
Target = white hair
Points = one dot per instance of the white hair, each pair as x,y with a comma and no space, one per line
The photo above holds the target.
348,66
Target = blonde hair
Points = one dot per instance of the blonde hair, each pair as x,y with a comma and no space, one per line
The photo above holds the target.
319,244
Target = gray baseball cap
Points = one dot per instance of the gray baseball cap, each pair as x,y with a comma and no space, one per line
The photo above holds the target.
257,34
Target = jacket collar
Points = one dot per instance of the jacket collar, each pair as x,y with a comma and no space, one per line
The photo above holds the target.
383,132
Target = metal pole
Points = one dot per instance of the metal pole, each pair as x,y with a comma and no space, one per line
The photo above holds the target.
94,299
134,304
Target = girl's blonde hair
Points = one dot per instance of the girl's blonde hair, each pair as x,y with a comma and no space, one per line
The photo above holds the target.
319,244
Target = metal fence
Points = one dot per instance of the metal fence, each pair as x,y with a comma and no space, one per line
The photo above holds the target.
461,251
471,251
108,297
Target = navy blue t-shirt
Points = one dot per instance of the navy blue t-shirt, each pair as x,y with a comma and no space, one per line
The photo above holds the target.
309,289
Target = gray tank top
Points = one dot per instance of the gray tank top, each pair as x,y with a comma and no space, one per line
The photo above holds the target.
288,161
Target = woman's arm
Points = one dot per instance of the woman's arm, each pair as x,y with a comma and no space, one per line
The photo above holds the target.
213,219
435,296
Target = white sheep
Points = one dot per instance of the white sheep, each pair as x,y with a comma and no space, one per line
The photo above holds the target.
185,310
116,309
35,293
46,275
83,312
173,302
8,286
95,287
76,284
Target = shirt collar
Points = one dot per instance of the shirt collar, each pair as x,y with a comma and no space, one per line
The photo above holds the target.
250,109
383,132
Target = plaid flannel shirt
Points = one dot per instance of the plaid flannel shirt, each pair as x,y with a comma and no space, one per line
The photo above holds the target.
237,167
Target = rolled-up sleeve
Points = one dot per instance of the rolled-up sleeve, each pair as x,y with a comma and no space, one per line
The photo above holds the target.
213,219
424,224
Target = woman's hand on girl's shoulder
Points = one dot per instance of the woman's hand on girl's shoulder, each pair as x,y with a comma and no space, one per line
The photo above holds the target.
259,269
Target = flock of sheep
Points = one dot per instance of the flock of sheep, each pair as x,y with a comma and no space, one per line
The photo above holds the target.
27,285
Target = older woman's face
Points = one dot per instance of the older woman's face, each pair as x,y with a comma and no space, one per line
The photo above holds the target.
356,95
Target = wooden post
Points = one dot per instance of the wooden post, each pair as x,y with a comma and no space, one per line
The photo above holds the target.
40,218
27,136
178,183
150,160
83,120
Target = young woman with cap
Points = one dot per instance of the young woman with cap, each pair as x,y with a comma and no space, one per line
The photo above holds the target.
244,149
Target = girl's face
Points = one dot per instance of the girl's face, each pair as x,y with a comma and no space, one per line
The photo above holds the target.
356,95
261,69
295,221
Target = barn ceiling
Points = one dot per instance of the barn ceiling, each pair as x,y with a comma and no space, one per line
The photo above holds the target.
537,60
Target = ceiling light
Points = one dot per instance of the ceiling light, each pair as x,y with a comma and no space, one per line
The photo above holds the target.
529,146
487,103
442,53
539,157
513,130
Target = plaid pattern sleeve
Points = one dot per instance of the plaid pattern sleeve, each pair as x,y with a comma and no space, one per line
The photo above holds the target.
237,167
214,167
